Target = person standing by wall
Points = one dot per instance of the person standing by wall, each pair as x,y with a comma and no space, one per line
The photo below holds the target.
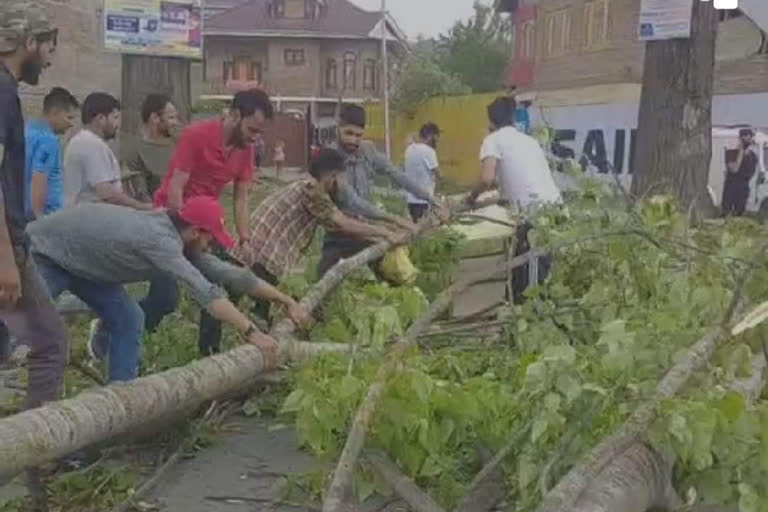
27,43
422,167
91,169
43,150
740,173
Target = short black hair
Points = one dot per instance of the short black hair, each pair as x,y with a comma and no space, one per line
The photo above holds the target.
248,102
428,130
59,99
154,104
352,114
98,103
502,112
746,131
328,161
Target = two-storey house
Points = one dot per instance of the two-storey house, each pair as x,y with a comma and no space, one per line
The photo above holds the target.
306,53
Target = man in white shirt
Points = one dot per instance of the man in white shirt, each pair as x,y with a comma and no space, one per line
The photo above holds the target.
517,162
422,167
91,169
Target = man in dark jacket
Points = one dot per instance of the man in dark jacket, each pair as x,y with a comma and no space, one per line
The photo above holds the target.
739,173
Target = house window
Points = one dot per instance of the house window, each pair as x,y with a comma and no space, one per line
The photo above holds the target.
369,75
294,57
331,73
527,40
277,8
310,9
350,71
596,23
728,14
242,69
558,33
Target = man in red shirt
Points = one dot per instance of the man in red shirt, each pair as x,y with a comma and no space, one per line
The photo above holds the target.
212,154
209,156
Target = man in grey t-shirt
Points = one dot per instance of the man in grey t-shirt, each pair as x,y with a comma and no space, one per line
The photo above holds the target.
92,250
91,170
422,167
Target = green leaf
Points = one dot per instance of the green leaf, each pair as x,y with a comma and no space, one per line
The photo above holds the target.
552,402
386,325
732,406
560,354
292,403
703,423
749,500
431,467
536,377
527,470
349,387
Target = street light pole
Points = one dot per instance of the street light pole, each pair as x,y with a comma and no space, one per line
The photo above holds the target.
385,77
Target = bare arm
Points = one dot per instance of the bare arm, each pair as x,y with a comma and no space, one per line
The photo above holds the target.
223,310
487,178
359,229
176,191
242,189
109,194
38,193
359,206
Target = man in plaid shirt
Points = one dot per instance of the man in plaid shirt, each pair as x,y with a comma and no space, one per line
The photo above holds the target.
284,224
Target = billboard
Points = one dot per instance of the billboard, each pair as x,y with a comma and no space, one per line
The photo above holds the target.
154,27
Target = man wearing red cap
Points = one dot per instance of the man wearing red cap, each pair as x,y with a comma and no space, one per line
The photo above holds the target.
92,250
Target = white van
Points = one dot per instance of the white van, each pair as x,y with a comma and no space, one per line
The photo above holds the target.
723,139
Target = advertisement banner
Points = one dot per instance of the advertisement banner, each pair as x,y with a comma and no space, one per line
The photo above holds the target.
665,19
154,27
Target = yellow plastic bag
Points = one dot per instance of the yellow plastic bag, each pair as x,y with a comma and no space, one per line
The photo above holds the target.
397,268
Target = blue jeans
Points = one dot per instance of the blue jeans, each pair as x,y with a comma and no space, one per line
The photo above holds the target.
161,300
122,317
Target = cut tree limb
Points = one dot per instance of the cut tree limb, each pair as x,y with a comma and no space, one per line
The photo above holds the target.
53,431
607,473
342,476
403,486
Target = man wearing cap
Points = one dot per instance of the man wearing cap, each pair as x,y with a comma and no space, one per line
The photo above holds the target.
93,249
740,173
27,43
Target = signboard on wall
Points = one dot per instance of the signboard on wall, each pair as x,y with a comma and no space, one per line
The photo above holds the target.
154,27
665,19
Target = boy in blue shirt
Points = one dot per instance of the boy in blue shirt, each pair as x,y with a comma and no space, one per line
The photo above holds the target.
45,188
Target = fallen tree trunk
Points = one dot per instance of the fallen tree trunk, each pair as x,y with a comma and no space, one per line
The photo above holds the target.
622,472
53,431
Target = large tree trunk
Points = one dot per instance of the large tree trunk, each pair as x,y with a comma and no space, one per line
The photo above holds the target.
674,140
39,435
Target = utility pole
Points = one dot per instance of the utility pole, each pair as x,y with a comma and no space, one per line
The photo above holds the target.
385,77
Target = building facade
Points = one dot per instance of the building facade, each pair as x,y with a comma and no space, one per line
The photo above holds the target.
580,65
305,53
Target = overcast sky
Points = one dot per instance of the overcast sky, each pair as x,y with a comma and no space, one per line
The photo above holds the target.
426,17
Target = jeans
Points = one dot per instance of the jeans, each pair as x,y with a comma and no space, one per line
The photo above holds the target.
209,339
36,323
520,279
417,211
161,300
121,315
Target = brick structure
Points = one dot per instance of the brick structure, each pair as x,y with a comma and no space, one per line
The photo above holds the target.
567,44
311,51
81,65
